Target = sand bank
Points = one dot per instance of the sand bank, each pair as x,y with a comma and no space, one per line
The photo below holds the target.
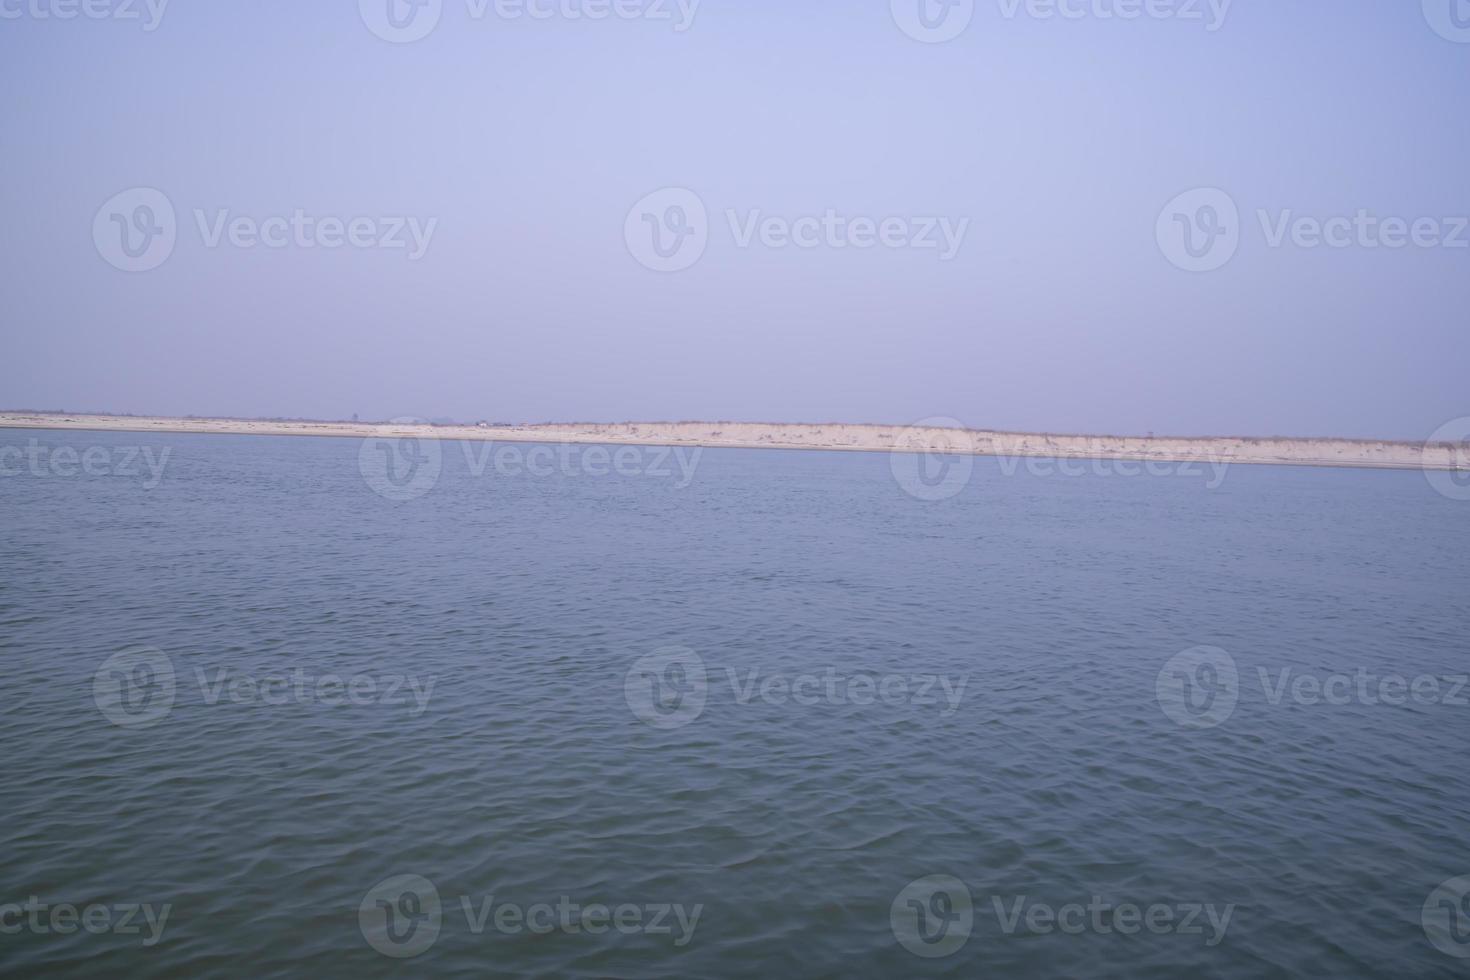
857,438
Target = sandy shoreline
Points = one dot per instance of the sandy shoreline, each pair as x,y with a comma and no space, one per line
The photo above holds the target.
1283,451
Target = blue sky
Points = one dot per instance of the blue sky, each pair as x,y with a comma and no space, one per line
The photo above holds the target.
518,146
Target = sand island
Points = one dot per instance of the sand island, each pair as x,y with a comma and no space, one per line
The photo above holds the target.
1279,450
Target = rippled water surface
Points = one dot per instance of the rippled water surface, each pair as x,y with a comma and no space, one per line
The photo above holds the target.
771,693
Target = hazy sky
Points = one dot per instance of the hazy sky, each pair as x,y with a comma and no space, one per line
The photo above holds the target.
1047,146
